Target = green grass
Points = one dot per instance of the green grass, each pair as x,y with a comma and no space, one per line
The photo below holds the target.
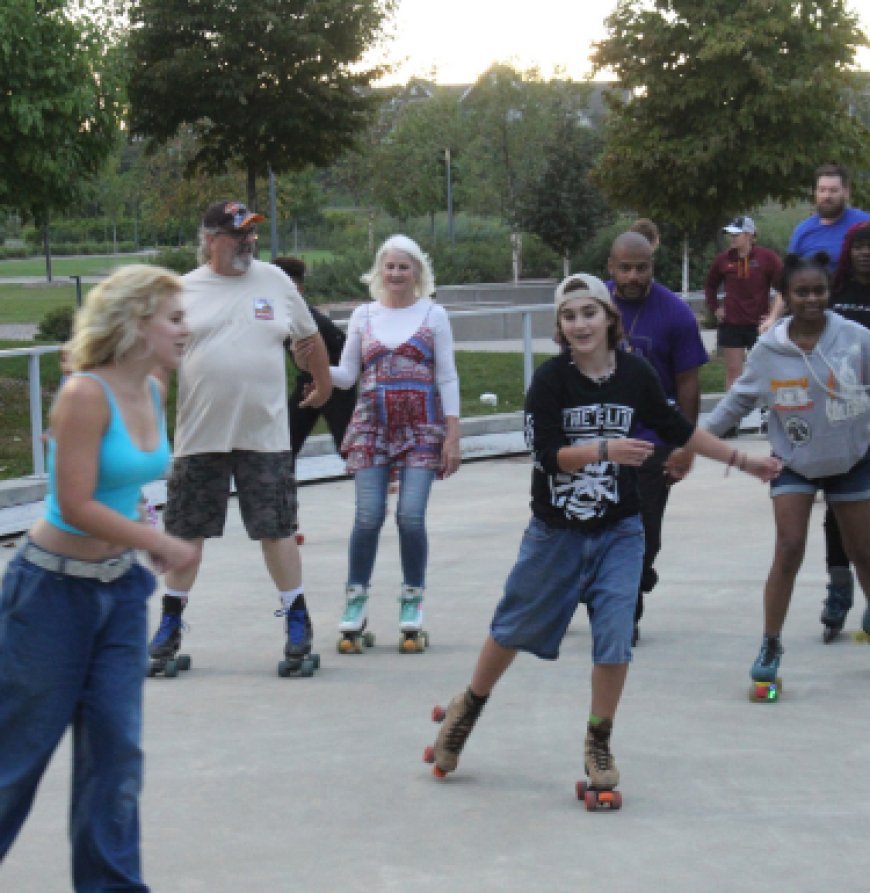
499,373
29,303
62,267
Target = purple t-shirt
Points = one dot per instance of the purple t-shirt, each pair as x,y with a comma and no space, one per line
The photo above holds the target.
811,235
663,330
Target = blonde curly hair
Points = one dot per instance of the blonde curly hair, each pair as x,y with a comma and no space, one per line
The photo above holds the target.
107,327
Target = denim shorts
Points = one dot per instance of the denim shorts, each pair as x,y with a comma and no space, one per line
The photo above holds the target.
850,486
555,571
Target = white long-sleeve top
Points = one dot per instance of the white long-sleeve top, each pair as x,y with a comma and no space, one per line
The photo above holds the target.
394,326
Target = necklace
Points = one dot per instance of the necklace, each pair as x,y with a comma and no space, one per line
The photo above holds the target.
630,333
601,377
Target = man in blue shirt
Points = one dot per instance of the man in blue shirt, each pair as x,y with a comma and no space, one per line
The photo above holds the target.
826,229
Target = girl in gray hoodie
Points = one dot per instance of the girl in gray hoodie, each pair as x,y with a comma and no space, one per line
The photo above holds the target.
813,369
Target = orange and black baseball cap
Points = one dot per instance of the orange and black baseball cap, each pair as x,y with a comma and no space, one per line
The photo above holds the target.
229,217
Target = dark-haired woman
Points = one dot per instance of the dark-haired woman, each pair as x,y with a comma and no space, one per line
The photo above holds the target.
813,370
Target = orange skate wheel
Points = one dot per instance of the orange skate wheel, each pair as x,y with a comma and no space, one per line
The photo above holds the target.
438,773
300,539
581,789
438,713
590,798
612,799
429,754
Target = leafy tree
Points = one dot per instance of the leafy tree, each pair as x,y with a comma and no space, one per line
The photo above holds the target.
564,208
729,102
260,83
59,107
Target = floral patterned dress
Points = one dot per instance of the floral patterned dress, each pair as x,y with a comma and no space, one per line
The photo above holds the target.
398,420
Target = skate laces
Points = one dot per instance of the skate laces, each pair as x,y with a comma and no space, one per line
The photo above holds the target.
169,625
354,606
770,651
599,747
458,733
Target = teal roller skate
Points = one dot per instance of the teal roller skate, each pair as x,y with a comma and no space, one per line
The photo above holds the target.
354,635
414,638
766,684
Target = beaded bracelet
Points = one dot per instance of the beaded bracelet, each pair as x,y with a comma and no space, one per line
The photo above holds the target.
602,449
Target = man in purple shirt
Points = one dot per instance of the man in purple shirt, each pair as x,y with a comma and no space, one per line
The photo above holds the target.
662,329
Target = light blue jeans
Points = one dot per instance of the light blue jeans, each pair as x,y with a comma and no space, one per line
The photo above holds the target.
73,652
371,512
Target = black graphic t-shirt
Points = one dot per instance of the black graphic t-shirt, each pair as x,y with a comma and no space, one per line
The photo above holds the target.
564,408
853,302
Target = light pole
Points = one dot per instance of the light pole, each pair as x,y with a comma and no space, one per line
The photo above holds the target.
449,195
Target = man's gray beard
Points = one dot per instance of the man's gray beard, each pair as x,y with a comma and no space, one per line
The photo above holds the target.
242,262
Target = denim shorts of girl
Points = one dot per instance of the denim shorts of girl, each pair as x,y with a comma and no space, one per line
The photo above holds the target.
850,486
556,570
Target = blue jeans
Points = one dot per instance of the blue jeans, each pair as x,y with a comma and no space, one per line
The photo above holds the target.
73,652
558,568
371,511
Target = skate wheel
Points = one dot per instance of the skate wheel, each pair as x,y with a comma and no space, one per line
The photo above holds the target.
368,639
438,773
170,669
283,669
183,661
610,799
861,636
307,667
429,754
581,789
408,645
315,659
438,713
300,539
590,798
152,671
345,645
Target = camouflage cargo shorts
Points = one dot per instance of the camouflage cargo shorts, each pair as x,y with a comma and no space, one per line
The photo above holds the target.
199,488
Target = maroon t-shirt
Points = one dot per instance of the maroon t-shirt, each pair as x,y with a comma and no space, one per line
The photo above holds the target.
748,281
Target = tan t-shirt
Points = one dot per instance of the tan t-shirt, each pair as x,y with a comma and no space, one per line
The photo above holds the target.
232,382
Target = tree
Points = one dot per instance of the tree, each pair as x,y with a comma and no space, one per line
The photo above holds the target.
730,102
564,208
261,83
59,107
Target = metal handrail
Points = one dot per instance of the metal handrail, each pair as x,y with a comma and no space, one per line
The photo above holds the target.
37,445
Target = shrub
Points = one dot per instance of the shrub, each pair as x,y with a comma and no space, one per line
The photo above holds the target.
179,260
56,325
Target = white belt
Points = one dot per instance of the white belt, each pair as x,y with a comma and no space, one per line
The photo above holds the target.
105,571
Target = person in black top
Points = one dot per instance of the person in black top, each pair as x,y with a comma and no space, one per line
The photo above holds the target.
850,297
585,541
339,408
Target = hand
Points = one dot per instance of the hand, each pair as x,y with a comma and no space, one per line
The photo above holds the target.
451,456
765,468
174,554
719,313
628,451
765,324
302,351
679,464
314,399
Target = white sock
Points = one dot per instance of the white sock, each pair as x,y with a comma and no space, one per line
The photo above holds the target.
177,593
290,595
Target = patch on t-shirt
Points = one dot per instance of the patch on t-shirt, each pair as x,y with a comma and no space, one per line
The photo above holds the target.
263,309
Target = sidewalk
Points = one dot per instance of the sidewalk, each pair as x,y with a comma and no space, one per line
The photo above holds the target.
256,784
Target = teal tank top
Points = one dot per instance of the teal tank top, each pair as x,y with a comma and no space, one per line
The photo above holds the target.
123,468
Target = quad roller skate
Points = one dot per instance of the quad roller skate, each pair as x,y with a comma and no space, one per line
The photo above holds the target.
837,602
298,659
459,719
766,684
414,638
163,650
354,635
600,767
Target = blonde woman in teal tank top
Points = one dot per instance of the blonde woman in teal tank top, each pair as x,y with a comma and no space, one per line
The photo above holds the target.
73,599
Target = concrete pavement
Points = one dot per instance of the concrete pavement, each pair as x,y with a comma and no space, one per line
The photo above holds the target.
256,783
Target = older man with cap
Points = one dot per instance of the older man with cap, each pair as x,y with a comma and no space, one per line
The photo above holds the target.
749,274
232,417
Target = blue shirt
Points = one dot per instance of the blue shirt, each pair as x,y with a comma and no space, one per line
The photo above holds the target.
811,235
123,468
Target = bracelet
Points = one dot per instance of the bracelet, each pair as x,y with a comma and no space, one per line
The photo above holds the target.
602,449
743,460
731,462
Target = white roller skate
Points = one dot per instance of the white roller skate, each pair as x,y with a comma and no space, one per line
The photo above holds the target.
352,626
414,638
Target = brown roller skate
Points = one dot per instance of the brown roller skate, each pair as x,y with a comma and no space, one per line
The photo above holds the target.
459,719
598,792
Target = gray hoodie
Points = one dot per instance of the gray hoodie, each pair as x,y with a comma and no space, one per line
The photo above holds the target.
819,401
